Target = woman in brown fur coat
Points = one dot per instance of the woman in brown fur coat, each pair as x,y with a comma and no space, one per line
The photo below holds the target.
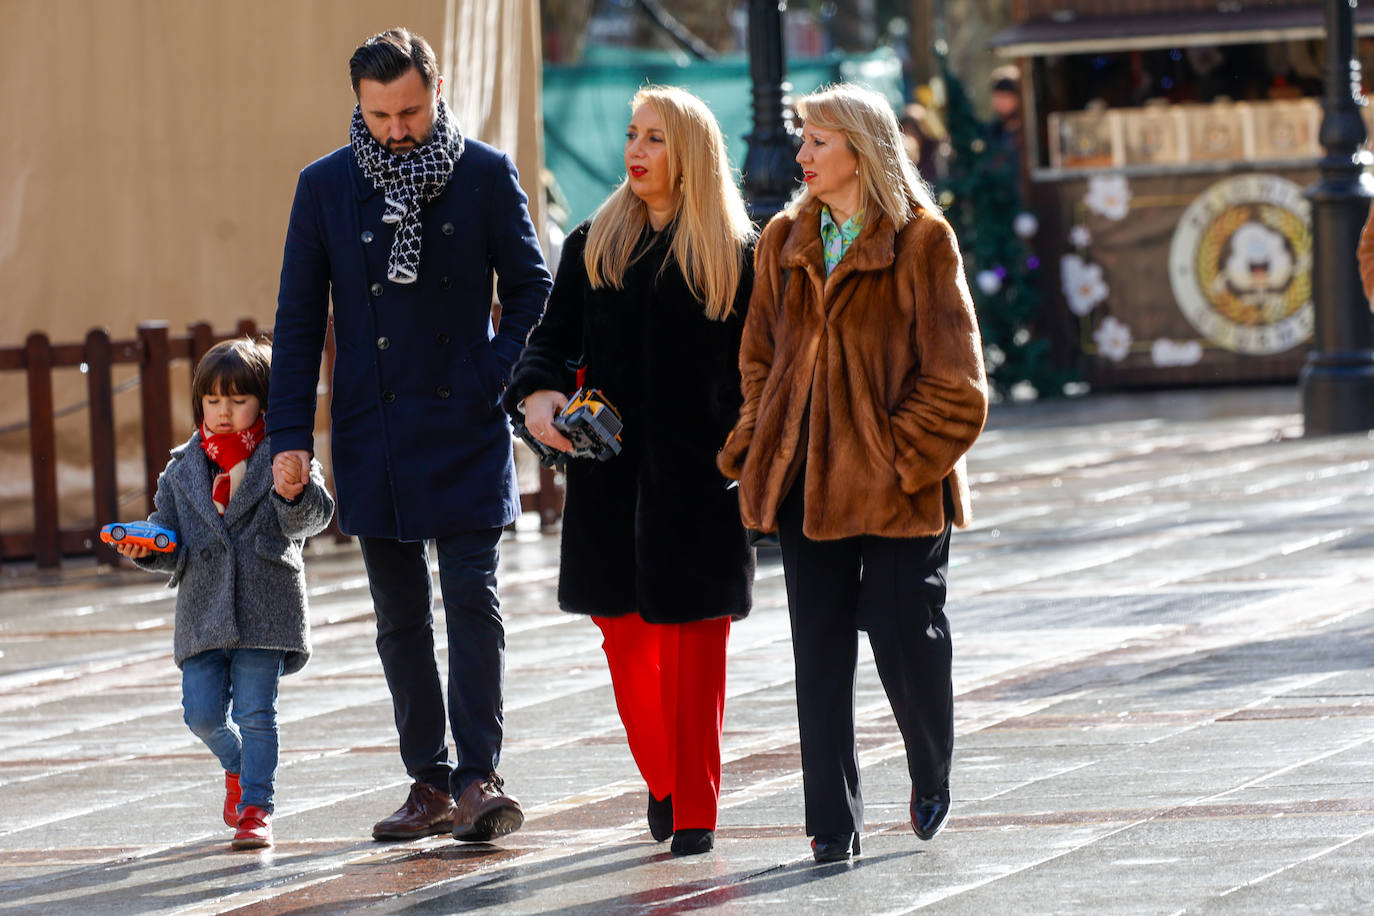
862,373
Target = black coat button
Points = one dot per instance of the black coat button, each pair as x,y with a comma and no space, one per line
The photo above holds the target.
442,391
205,553
441,339
388,396
383,343
367,236
447,229
445,283
376,289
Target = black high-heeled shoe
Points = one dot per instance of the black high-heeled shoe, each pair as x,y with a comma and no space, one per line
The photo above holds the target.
929,813
834,847
660,818
691,841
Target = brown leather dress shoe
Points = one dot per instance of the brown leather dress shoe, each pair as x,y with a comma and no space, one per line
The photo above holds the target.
484,811
426,812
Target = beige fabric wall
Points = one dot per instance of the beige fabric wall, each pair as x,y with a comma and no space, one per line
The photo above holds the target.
491,56
153,146
149,160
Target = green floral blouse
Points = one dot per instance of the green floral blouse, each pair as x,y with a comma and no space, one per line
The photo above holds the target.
836,239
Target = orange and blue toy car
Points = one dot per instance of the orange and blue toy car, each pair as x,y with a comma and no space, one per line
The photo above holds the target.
145,534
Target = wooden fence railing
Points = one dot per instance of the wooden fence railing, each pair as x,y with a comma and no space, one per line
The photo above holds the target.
153,351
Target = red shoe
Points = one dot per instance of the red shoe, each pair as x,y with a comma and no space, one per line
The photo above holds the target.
255,829
232,795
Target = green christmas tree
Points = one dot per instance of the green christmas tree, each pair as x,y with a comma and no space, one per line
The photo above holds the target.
982,200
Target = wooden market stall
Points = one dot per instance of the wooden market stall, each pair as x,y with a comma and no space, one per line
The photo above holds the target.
1167,148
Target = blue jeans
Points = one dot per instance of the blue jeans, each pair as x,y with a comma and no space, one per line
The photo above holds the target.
246,679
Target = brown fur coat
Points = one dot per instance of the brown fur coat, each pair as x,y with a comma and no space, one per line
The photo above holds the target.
885,353
1364,255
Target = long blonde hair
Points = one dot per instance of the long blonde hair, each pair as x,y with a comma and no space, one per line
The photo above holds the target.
711,224
887,179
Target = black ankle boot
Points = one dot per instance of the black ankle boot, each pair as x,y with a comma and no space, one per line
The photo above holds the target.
833,847
928,813
660,818
691,841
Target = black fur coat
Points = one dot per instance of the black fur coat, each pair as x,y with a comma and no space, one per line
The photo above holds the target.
654,530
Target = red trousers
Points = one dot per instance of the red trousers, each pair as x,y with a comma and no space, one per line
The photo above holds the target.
669,682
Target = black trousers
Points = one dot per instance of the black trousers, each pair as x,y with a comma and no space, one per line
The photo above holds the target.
893,588
403,597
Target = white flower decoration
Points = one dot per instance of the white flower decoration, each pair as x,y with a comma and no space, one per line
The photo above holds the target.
1113,339
1080,237
1109,196
1166,352
988,282
1025,225
1084,287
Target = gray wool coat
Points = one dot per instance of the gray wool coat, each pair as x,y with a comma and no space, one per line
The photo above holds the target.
241,577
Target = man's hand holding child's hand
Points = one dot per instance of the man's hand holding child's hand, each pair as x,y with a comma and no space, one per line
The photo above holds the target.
290,472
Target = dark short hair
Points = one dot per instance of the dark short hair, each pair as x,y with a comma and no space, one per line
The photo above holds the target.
387,56
238,366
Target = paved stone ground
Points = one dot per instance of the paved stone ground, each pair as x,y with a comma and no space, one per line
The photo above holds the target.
1164,632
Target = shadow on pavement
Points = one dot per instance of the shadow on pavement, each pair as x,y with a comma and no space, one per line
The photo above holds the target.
717,890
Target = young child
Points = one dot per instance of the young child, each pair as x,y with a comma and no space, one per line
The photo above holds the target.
241,607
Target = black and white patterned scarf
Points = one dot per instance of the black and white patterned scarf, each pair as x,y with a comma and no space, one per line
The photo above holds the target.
406,182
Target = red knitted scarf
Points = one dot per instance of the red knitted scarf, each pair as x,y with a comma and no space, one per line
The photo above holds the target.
231,452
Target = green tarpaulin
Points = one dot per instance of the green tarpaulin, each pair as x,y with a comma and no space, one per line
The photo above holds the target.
586,107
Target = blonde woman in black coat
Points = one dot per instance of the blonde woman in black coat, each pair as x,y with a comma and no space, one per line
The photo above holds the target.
650,297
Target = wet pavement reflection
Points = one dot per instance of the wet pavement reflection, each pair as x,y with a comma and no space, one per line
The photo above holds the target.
1163,619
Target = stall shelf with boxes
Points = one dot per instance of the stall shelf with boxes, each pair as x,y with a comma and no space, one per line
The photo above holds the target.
1167,149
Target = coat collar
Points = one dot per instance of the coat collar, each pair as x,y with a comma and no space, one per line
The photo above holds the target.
190,473
872,249
256,483
362,185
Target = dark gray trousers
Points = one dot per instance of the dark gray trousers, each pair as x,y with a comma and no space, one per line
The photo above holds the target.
403,596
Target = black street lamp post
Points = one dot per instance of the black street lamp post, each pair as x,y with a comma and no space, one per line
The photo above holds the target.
1338,379
770,171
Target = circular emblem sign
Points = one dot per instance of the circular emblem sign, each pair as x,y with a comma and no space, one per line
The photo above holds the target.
1241,264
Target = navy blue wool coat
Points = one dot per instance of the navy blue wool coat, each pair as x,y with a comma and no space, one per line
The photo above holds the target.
420,445
653,531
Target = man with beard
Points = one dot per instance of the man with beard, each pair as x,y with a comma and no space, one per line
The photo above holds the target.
407,228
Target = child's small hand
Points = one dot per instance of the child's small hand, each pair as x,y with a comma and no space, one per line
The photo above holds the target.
290,473
132,551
